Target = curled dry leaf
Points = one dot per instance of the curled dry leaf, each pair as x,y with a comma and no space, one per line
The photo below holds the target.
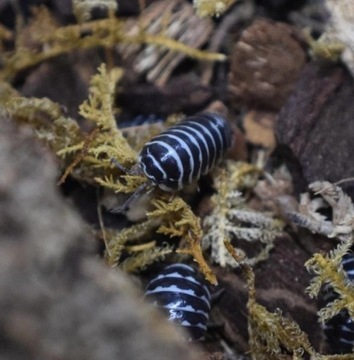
309,215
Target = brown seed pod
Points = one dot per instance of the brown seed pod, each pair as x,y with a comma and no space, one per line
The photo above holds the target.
265,63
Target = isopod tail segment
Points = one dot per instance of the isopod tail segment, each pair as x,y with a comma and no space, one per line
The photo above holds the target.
339,330
183,295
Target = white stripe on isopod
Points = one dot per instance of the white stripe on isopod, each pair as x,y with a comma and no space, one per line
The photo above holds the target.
185,147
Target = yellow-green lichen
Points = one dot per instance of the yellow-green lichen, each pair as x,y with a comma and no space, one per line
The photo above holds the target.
271,335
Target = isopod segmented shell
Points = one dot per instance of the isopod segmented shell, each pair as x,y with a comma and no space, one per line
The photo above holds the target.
184,152
182,293
339,330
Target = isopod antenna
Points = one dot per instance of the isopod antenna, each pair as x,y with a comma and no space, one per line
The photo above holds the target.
147,187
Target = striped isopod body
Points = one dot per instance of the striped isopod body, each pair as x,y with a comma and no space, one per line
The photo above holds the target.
184,152
339,330
182,293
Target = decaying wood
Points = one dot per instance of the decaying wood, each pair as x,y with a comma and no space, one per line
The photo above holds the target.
181,94
175,19
315,131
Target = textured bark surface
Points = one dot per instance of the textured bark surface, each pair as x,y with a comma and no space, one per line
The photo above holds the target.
315,130
280,282
57,301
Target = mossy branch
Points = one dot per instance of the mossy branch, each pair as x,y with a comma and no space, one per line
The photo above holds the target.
327,269
106,141
47,119
101,33
140,260
131,183
117,240
86,156
99,109
178,219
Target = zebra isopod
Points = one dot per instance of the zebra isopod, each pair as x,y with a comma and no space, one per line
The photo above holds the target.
184,152
180,292
339,330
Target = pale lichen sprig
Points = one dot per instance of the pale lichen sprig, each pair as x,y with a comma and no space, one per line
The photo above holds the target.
232,219
216,230
261,227
242,175
342,208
